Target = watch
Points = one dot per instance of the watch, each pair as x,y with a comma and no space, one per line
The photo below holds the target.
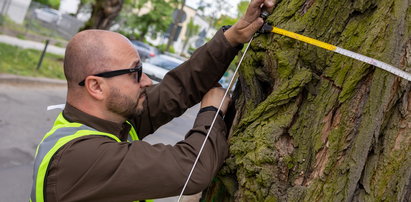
225,27
212,108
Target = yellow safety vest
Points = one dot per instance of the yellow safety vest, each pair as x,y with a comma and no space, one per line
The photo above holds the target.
62,132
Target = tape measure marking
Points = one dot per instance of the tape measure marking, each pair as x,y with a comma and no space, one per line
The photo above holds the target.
374,62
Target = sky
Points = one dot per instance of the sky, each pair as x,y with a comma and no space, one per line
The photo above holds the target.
71,5
233,5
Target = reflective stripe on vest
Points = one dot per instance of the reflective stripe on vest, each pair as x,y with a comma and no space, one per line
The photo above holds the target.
132,134
61,133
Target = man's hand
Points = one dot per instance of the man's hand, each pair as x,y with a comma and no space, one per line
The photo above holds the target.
251,22
213,98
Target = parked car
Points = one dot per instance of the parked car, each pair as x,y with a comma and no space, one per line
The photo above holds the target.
223,82
48,15
157,67
144,50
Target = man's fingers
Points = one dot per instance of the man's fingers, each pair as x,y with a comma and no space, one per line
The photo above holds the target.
255,26
269,5
255,7
256,4
251,22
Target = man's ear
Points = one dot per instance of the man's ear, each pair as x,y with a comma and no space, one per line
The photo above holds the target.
95,87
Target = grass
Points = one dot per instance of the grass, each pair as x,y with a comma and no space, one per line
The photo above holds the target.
34,27
31,28
18,61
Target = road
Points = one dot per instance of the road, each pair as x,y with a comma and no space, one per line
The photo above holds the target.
24,120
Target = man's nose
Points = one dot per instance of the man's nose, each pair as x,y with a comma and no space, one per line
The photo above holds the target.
145,81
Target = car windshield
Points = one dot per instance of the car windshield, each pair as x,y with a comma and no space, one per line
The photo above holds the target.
164,62
140,44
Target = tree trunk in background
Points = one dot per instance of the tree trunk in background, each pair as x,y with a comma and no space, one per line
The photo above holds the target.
104,12
313,125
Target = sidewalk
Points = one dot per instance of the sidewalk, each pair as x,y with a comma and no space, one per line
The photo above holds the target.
31,44
26,80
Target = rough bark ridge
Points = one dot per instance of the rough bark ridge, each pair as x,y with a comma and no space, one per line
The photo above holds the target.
312,125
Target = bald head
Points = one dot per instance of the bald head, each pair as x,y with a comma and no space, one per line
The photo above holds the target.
90,52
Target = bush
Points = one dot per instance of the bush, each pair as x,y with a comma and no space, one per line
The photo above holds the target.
163,47
52,3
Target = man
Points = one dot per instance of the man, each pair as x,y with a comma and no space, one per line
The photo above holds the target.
90,155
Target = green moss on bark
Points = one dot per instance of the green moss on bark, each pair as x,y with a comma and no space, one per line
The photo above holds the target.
328,128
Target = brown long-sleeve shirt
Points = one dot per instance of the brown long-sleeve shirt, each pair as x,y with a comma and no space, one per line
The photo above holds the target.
97,168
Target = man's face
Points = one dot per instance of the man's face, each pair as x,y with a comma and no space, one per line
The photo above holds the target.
126,95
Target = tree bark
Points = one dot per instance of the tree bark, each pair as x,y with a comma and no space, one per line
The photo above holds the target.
103,14
313,125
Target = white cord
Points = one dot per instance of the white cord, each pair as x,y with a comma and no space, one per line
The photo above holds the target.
60,106
212,123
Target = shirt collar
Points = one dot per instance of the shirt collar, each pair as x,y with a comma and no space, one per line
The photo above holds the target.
73,114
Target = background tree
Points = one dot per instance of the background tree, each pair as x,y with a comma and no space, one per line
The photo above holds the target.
312,125
176,22
103,14
242,7
155,21
202,6
81,5
192,29
228,20
224,20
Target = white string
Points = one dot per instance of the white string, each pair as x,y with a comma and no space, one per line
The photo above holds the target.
215,117
60,106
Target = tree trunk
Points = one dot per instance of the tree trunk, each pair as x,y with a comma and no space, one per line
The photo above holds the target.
312,125
104,12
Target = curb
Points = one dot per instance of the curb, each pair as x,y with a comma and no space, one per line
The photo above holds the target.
26,80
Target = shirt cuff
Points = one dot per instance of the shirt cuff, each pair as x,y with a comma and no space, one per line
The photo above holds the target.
225,51
203,123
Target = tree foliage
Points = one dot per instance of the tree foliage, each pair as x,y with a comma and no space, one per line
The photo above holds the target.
51,3
157,20
192,29
228,20
224,20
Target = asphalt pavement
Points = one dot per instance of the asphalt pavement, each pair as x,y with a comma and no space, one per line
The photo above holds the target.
24,120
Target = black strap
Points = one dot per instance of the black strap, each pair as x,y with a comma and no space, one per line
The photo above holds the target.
211,108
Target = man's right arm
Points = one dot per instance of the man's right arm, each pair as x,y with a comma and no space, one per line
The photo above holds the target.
185,86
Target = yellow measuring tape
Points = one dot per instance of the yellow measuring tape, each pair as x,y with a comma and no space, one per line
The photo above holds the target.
304,39
342,51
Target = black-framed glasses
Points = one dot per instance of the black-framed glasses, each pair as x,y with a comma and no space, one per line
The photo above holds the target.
138,69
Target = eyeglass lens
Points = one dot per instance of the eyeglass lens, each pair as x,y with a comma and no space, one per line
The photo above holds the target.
139,74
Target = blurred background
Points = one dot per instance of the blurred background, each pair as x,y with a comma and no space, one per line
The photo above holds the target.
168,28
